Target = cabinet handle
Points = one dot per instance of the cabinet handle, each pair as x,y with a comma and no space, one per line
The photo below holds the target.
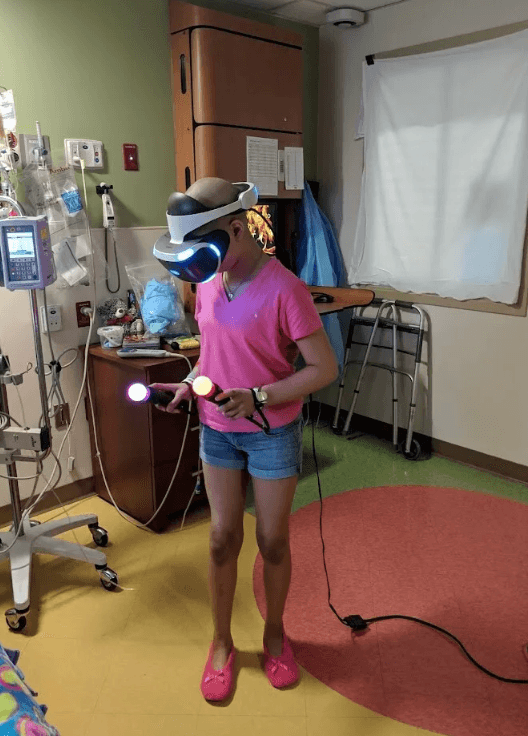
183,74
187,177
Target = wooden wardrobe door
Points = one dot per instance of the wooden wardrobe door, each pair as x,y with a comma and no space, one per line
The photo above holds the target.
222,152
245,81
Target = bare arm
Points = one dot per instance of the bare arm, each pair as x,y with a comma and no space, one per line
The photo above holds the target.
321,370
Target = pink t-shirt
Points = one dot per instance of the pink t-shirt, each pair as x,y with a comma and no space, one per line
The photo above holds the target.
250,341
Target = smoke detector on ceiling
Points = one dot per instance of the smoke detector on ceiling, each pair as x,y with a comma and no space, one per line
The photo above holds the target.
345,17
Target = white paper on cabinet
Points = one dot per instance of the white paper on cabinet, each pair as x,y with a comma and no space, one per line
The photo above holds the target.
262,166
293,168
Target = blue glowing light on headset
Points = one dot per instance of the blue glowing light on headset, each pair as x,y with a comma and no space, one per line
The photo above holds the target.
197,259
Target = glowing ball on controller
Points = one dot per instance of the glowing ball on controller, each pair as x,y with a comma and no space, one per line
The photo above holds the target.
138,392
203,386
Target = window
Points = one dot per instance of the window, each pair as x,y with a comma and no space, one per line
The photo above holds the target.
445,185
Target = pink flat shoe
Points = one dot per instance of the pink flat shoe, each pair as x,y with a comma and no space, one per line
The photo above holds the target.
281,671
218,685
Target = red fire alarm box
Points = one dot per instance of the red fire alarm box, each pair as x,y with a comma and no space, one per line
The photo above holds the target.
130,157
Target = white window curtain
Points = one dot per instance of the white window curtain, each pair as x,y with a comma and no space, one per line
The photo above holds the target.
444,193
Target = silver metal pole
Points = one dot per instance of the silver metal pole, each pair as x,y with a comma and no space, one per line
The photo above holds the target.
40,362
14,491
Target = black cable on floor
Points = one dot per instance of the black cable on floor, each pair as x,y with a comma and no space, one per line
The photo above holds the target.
357,623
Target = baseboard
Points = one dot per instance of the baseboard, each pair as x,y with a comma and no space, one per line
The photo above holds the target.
431,446
68,493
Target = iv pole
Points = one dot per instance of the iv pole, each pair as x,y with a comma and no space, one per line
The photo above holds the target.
26,537
11,465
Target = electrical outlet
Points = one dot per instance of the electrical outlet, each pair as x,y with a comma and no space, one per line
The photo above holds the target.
91,152
62,416
52,321
83,320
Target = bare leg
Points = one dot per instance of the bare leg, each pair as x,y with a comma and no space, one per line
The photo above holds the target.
273,500
226,494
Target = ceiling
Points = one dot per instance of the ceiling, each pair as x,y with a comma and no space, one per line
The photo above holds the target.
312,11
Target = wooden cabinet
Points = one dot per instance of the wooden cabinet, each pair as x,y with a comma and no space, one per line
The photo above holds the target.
139,444
231,78
245,81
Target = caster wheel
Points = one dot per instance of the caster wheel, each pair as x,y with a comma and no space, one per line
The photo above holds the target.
34,522
15,621
414,453
109,579
100,536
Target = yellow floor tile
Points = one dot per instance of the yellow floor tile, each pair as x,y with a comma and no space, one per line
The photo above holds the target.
174,607
323,701
265,726
69,724
102,724
247,623
167,548
67,673
170,608
254,696
148,678
327,726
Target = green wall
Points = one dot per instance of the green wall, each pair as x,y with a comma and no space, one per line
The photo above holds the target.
101,70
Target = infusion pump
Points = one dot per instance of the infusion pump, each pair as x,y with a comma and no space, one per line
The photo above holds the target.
26,257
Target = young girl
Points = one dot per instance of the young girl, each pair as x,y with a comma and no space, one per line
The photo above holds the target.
254,318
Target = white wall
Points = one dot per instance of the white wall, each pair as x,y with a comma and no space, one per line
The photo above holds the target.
474,393
16,340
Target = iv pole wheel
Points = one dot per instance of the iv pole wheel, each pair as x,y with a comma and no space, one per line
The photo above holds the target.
109,579
100,536
415,451
15,621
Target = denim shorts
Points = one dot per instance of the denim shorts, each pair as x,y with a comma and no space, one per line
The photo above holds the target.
271,457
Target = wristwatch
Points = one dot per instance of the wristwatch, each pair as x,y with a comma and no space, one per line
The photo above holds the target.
260,396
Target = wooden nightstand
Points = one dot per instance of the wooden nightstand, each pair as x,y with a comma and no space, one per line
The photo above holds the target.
139,444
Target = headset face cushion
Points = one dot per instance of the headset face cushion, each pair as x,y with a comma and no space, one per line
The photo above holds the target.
204,262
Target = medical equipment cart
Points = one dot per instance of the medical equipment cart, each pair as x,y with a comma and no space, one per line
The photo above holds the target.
386,320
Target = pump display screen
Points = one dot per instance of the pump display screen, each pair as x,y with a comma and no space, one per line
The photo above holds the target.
21,244
22,259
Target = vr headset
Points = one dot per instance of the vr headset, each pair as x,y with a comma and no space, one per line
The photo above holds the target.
197,259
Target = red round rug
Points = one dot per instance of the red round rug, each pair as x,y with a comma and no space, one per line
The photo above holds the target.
458,559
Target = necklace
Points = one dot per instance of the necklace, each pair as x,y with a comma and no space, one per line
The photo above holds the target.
231,293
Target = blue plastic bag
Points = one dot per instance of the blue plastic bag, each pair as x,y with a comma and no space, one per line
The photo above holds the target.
160,306
320,262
